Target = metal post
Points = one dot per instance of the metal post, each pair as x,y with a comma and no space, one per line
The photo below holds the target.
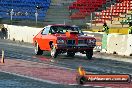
36,16
111,10
91,19
64,22
11,15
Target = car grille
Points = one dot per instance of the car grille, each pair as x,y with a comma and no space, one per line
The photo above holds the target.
72,42
82,41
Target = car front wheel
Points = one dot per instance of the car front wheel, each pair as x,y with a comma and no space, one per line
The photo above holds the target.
53,52
37,50
89,54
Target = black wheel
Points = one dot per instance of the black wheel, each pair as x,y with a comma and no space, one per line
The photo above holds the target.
80,80
53,52
70,54
89,54
37,50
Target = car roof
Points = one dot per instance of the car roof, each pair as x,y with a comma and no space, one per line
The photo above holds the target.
61,25
58,25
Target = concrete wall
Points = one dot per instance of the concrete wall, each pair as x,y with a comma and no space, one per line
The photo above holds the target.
115,43
22,33
119,44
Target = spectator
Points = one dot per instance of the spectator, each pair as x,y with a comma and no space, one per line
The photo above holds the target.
130,28
105,28
4,33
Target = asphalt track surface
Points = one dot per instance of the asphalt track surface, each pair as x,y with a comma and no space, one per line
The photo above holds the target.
100,64
13,81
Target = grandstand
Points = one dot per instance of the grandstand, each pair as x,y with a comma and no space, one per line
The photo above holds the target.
24,9
117,13
49,11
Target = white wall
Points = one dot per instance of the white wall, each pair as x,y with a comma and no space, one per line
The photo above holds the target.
121,44
22,32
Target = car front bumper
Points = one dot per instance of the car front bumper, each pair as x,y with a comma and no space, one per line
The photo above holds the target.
79,47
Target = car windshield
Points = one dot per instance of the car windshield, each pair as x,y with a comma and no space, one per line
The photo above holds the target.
78,29
63,29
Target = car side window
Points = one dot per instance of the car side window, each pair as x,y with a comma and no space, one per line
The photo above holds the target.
51,31
45,31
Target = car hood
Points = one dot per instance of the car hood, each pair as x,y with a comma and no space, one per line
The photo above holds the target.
79,36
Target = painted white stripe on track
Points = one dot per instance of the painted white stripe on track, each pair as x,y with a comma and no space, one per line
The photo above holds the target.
86,85
72,84
12,44
98,86
37,79
47,64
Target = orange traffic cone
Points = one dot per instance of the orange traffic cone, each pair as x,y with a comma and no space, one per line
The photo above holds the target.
2,58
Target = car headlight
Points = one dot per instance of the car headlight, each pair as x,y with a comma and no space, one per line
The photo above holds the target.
60,41
91,40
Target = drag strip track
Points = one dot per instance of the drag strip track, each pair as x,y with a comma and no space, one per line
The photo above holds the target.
25,51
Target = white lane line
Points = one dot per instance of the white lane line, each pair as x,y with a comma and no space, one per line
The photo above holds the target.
72,84
98,86
94,86
37,79
46,64
87,85
12,44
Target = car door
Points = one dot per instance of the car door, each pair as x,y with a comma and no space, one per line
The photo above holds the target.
45,38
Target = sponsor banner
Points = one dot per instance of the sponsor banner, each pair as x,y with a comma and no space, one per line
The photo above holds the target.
108,78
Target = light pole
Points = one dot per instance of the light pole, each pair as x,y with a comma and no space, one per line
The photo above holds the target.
36,13
12,12
36,16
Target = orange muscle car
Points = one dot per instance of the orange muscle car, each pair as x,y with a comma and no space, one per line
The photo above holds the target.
61,38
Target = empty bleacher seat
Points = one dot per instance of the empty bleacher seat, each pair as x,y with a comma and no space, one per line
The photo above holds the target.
122,6
24,9
85,7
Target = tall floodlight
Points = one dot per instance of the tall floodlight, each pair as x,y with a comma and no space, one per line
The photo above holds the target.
36,16
11,13
36,13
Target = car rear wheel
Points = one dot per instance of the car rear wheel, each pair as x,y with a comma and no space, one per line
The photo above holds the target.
70,54
38,51
53,52
89,54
